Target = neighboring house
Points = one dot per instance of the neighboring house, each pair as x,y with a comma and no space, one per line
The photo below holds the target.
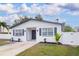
3,30
4,33
35,30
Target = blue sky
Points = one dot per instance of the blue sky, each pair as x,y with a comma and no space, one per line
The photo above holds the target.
68,13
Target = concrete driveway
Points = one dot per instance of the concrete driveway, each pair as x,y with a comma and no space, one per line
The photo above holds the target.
15,48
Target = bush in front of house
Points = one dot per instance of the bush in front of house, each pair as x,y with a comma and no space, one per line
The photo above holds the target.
57,37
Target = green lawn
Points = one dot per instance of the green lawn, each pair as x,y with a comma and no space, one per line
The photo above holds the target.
3,42
43,49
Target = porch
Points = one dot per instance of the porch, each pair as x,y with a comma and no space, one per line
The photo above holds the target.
31,34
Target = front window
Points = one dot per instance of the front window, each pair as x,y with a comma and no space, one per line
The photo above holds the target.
47,31
50,31
44,31
18,32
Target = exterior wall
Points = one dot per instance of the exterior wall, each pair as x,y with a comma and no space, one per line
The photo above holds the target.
5,36
37,25
71,38
23,38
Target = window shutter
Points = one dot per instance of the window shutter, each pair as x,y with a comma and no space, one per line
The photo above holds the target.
23,32
55,30
40,31
13,32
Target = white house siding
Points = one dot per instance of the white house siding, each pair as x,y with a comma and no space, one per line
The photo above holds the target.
71,38
16,37
37,25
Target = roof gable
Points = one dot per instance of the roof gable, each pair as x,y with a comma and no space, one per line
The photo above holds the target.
35,20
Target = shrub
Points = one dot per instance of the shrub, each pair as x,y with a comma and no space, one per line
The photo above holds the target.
57,37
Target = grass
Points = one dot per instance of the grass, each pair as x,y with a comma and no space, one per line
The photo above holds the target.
43,49
3,42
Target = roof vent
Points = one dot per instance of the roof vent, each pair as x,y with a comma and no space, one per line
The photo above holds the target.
57,20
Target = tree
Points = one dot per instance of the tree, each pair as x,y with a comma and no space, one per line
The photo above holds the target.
16,21
68,29
4,25
39,17
57,37
21,19
24,18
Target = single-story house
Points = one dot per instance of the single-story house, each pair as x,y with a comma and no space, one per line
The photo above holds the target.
36,30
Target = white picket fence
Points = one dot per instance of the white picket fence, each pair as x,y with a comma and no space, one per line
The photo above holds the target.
71,38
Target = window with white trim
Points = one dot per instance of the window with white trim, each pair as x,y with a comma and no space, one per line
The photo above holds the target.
44,31
47,32
50,31
18,32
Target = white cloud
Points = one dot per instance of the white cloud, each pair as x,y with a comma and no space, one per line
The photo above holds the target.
76,5
24,8
50,9
9,19
74,13
8,8
60,4
2,18
35,9
73,9
46,9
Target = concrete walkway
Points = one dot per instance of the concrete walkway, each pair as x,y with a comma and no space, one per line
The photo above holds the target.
15,48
